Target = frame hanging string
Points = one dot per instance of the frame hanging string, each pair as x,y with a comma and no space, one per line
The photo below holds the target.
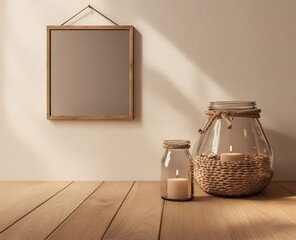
89,6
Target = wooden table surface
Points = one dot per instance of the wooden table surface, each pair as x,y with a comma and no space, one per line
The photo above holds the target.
134,210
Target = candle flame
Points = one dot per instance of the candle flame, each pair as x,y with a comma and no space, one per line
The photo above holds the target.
177,173
230,148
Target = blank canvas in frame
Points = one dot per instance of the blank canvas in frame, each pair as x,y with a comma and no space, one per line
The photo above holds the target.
90,72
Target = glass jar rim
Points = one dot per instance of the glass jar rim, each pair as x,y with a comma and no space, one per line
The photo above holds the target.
176,144
232,105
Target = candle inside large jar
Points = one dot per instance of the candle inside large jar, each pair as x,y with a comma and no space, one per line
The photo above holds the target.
231,156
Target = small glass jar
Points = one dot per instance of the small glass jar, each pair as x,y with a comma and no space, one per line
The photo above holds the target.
233,156
177,171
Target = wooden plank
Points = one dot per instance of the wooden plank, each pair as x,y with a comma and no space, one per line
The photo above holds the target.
283,199
211,217
267,220
198,219
47,217
229,210
93,217
140,215
19,198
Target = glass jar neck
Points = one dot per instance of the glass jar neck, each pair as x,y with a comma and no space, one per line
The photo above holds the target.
232,105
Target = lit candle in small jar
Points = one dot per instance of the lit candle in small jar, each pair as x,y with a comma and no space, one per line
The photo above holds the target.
177,188
231,156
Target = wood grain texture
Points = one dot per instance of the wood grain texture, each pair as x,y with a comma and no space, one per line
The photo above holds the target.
266,219
47,217
283,199
211,217
140,215
197,219
254,217
123,210
230,211
19,198
93,217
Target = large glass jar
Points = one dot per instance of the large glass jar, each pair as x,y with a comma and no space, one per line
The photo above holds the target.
177,171
233,156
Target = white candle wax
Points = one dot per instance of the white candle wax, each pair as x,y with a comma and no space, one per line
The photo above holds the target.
177,188
231,157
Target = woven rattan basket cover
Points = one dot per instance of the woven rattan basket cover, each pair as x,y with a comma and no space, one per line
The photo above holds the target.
233,178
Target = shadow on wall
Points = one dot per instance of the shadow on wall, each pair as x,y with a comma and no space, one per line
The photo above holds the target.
184,122
284,161
2,24
231,41
15,149
248,48
167,94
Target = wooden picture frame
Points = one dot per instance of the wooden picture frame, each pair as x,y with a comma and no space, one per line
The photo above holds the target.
89,72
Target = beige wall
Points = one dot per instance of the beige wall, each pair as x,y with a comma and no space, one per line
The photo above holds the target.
187,54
